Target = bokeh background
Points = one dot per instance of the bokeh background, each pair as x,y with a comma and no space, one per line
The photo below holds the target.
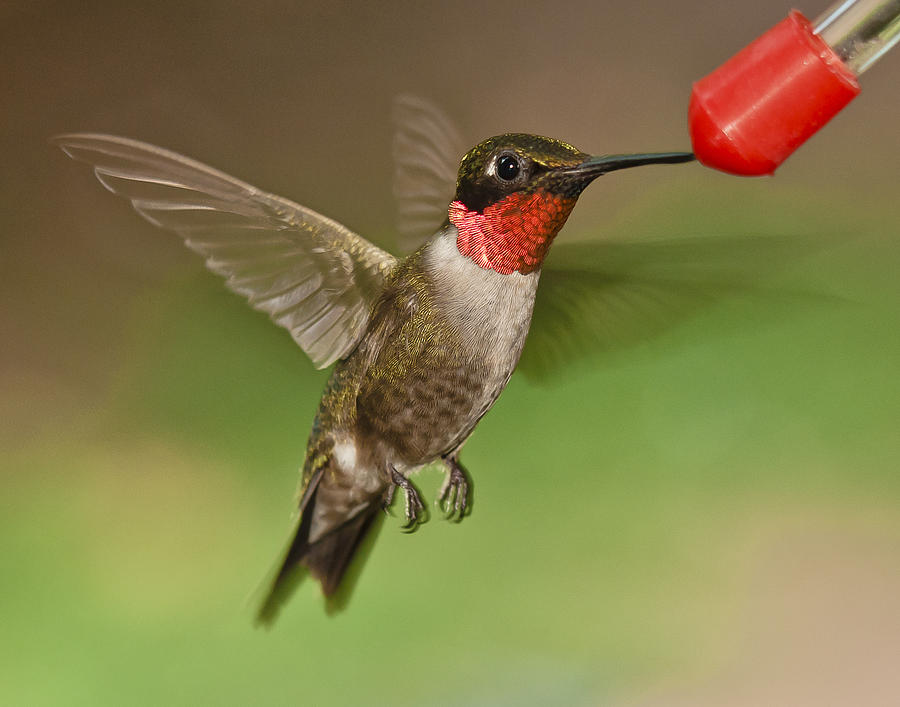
710,518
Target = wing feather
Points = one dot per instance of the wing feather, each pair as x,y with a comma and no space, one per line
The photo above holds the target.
601,297
313,276
427,149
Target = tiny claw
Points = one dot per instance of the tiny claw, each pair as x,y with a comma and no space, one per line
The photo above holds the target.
454,496
416,513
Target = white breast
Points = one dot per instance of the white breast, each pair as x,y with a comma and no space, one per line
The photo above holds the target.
492,311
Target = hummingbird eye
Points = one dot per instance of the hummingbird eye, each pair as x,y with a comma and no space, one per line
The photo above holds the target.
508,167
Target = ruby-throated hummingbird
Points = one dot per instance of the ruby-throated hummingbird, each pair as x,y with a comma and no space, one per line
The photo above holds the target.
424,345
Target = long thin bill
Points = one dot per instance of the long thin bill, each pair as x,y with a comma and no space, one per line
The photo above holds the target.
596,166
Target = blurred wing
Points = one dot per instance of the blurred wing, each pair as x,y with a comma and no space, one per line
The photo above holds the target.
598,298
313,276
427,150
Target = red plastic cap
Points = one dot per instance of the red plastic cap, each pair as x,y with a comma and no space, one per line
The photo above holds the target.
751,113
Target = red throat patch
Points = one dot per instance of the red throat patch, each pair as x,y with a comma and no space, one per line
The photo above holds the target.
514,234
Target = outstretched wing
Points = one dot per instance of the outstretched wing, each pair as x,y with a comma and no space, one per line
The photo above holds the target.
427,149
597,298
312,275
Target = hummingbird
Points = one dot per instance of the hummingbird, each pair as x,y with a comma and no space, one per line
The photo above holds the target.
423,344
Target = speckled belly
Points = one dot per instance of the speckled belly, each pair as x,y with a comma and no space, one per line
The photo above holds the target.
430,412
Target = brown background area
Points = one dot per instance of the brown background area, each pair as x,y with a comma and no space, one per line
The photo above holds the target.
295,97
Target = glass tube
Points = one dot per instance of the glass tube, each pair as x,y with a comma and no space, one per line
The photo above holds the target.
860,31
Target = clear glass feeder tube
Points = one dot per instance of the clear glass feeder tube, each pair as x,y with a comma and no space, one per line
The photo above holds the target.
860,31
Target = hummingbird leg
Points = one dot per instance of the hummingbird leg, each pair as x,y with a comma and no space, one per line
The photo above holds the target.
414,505
455,497
388,499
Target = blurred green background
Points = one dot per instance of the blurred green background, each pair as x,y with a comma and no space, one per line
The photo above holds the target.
707,519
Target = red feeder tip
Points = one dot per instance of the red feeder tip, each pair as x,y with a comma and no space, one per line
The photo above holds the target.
751,113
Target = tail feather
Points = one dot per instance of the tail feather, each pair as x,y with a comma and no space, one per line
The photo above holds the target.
327,559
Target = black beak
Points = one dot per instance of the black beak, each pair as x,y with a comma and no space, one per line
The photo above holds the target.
595,166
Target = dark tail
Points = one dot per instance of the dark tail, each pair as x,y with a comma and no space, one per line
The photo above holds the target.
327,560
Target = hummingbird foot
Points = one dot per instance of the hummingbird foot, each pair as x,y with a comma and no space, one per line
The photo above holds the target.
454,498
416,512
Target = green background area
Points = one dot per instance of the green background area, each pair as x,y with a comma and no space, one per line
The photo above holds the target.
708,517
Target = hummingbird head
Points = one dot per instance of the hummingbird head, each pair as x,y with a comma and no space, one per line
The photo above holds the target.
515,191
